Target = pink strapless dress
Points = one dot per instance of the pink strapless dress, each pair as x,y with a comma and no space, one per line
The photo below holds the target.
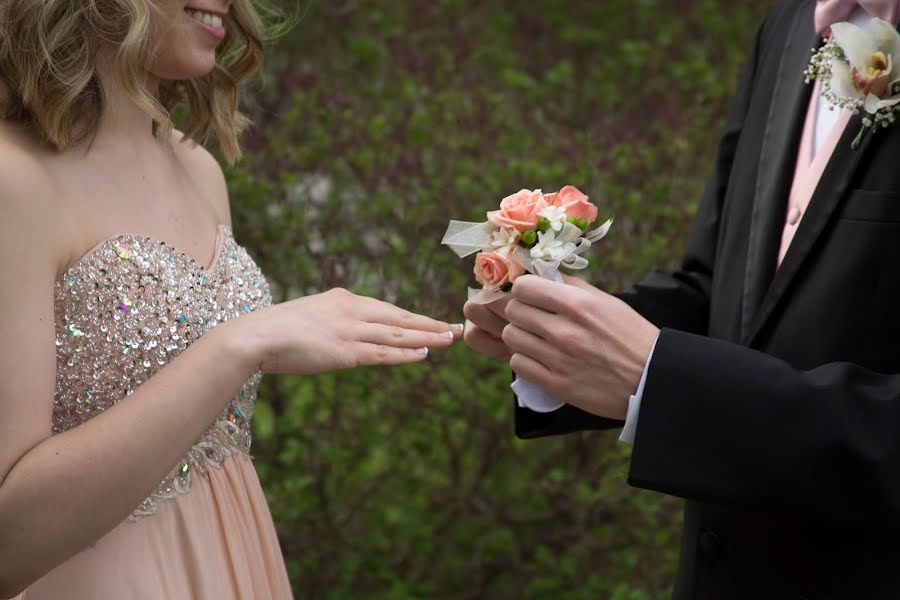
205,533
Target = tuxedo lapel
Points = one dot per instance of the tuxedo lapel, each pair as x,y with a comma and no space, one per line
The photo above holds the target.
777,162
830,190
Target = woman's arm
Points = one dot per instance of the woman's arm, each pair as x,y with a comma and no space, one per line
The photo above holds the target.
60,493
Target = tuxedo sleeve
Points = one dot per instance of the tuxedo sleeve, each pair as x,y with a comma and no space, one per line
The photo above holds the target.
677,299
729,425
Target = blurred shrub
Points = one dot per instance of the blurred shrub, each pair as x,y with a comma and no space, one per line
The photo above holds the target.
376,123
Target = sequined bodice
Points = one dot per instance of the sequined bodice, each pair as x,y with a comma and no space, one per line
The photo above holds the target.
130,306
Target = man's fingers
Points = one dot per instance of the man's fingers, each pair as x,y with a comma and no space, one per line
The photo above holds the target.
481,341
520,340
399,337
485,318
542,293
528,368
547,353
536,320
498,307
579,283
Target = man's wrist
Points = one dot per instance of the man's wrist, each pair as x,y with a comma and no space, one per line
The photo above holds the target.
634,402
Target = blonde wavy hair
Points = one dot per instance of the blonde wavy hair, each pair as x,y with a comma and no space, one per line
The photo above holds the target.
48,50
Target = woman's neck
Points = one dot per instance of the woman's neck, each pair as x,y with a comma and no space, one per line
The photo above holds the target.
123,121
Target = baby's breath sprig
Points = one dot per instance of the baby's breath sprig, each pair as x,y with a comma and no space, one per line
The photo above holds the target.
820,68
820,63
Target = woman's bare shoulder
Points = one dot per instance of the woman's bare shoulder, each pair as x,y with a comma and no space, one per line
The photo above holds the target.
23,162
28,209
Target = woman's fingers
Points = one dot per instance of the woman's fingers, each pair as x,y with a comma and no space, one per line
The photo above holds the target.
400,337
376,311
380,354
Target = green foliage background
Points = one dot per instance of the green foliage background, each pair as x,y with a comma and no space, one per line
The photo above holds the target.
376,123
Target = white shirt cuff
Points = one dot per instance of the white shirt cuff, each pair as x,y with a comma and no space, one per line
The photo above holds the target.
534,398
634,403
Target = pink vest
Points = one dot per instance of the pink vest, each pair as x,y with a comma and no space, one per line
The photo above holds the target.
809,169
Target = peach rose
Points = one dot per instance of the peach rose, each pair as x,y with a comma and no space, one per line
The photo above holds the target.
493,272
520,211
575,203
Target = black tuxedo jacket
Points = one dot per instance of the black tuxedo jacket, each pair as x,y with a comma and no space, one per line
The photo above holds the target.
772,403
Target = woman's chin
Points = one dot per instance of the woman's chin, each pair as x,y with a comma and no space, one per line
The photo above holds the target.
198,67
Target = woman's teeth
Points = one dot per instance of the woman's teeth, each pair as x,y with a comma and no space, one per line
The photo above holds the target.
206,18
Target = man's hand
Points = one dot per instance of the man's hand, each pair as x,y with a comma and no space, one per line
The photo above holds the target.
484,326
577,343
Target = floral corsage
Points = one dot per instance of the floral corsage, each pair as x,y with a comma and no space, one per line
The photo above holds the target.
532,232
857,71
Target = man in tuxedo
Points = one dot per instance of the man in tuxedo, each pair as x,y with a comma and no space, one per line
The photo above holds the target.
760,380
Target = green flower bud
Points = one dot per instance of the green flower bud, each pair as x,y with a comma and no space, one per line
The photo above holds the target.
572,220
543,224
529,238
582,224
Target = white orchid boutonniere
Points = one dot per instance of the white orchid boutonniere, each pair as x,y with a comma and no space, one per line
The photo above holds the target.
859,71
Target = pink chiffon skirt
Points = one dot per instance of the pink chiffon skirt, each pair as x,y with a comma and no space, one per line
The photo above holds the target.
217,542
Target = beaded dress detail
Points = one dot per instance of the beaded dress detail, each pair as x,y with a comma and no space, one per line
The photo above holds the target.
127,308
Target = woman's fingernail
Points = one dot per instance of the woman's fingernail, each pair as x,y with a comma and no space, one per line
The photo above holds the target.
460,327
422,351
448,335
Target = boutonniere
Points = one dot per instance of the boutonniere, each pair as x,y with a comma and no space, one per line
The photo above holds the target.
858,73
532,232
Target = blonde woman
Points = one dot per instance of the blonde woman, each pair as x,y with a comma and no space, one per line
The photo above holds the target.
133,328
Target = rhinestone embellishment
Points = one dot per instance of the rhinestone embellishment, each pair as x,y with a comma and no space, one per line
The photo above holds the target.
124,311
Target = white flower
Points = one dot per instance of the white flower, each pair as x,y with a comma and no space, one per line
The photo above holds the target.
554,250
504,240
556,215
550,248
870,78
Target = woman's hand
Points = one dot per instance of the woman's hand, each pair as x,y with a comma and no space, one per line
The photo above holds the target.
337,330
